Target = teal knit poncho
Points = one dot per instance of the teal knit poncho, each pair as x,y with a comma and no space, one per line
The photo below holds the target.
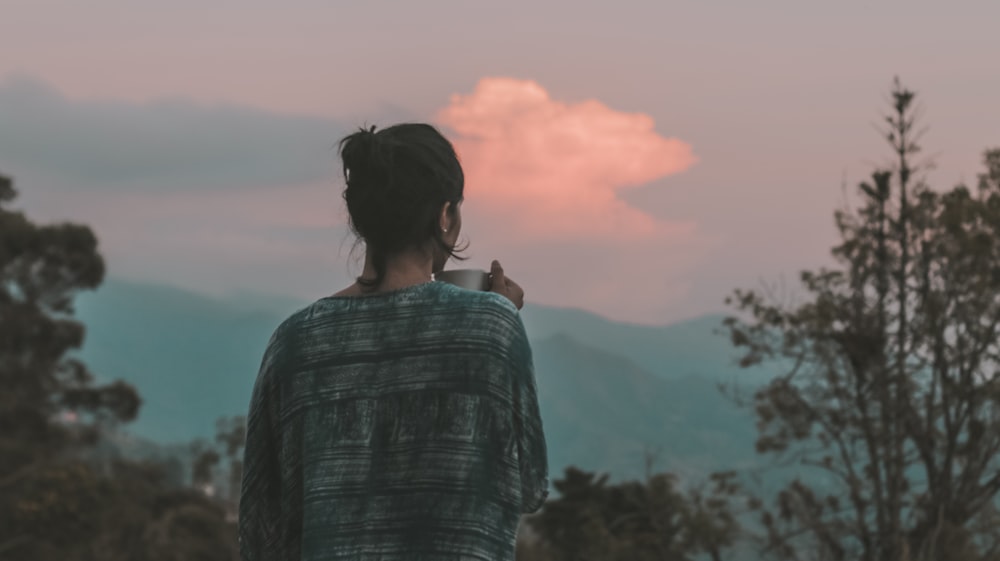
392,426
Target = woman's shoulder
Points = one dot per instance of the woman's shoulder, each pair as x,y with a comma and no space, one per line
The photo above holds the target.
292,321
479,309
448,299
476,300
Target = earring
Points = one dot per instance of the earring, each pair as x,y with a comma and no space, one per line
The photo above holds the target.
445,230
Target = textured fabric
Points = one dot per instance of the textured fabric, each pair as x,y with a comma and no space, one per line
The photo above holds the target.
400,425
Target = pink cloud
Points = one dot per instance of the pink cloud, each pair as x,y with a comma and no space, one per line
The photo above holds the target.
543,196
544,180
552,170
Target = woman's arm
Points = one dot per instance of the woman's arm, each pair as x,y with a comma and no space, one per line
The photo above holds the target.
531,446
260,496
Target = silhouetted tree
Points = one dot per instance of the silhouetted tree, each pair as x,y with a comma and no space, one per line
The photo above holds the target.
633,521
41,269
231,435
221,482
572,526
205,459
892,396
61,496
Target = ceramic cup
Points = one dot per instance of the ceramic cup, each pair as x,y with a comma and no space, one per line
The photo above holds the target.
473,279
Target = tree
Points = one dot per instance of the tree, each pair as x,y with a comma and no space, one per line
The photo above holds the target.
230,436
41,269
62,497
634,521
892,396
143,518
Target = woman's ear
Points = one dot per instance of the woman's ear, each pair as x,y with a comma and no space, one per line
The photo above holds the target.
445,219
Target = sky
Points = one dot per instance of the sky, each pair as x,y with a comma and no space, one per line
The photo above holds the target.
636,159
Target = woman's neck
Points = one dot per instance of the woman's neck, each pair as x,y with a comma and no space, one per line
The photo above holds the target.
401,270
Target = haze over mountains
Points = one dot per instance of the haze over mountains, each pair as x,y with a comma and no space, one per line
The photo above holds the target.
607,390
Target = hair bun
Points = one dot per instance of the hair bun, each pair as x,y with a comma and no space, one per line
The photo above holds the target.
359,154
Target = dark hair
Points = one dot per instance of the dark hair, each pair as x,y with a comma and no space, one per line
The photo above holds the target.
397,180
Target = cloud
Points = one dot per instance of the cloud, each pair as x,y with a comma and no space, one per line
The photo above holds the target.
218,198
552,170
276,239
544,180
167,144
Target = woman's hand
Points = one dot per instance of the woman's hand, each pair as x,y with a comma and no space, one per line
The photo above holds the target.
504,286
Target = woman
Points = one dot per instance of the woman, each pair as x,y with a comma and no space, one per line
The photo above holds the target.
398,418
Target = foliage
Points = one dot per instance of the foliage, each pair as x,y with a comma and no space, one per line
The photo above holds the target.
62,497
893,396
636,521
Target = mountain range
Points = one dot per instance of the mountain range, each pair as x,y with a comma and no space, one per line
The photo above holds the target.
608,391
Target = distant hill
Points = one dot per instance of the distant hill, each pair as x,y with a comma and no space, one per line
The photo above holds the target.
192,358
601,411
689,348
606,389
